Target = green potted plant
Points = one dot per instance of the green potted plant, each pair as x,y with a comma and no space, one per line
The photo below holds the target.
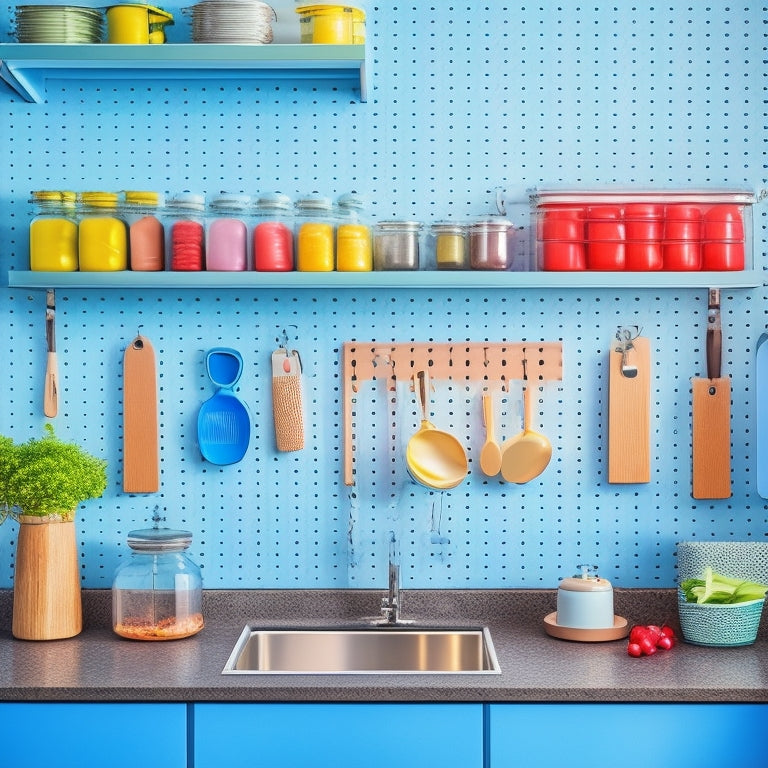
42,481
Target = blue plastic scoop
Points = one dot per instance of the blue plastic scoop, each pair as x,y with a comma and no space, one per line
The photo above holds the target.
223,422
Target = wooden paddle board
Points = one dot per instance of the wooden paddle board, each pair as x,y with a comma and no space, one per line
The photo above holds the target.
711,417
629,414
141,450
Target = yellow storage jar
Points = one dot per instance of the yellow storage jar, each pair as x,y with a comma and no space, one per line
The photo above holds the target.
103,236
53,232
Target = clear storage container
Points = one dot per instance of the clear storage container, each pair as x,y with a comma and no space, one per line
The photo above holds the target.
186,227
396,245
227,233
157,594
146,236
450,241
102,234
315,234
273,233
354,248
643,230
53,232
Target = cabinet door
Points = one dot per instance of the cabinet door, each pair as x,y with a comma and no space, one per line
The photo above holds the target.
609,735
75,735
338,735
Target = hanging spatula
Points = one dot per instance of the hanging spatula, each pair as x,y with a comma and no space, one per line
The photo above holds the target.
712,416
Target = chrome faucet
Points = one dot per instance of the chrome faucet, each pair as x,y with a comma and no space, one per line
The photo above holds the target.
391,604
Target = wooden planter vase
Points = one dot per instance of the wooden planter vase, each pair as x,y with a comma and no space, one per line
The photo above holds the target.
47,602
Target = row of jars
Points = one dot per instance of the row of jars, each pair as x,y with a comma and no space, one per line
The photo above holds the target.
107,231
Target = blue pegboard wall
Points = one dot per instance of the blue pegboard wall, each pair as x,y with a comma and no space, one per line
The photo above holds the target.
465,100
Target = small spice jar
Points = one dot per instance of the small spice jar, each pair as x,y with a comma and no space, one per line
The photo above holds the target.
273,233
450,245
314,234
396,245
157,594
488,246
227,244
102,234
53,232
186,245
146,237
354,249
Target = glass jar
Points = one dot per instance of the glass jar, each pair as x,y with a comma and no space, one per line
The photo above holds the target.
158,593
146,237
186,247
227,234
354,249
488,246
314,234
273,234
102,234
53,232
396,245
450,245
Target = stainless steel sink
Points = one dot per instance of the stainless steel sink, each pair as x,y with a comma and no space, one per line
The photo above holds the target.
368,650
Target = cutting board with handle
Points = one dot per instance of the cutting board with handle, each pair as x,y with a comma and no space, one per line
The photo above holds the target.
629,411
141,450
711,416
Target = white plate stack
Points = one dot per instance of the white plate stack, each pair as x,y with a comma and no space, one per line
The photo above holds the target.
58,24
232,21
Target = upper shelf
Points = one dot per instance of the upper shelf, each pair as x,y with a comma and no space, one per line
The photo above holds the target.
388,279
26,67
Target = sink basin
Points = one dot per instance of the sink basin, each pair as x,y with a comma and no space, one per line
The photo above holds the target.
369,650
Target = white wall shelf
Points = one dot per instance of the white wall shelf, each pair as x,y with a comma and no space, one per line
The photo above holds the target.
27,67
388,279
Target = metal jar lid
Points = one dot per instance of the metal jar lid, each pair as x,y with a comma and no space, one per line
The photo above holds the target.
159,540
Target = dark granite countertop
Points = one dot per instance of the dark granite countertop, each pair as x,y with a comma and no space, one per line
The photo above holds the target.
99,666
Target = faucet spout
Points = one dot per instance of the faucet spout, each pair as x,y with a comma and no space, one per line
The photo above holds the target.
391,604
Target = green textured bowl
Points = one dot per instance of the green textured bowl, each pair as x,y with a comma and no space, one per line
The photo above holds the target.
720,625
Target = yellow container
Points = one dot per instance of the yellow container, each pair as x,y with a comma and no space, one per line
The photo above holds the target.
53,233
314,247
331,24
103,237
354,250
136,24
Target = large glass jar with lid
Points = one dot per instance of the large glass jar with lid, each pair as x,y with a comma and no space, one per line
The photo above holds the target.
227,232
53,232
157,594
186,231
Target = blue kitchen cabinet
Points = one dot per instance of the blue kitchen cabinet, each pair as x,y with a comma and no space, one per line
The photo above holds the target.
338,735
608,735
85,735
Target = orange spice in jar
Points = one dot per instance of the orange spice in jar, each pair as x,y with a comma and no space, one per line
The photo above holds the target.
157,594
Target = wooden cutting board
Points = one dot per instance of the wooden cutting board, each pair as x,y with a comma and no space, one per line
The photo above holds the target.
711,437
711,417
629,415
141,450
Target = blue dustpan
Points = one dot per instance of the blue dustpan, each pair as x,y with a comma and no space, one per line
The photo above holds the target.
223,422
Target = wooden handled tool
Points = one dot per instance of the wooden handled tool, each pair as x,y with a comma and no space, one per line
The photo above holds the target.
712,416
629,405
51,389
141,451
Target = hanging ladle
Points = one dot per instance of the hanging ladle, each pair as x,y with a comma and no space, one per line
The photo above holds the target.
434,458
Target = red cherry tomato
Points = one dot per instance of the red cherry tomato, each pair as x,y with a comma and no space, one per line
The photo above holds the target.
634,649
664,642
